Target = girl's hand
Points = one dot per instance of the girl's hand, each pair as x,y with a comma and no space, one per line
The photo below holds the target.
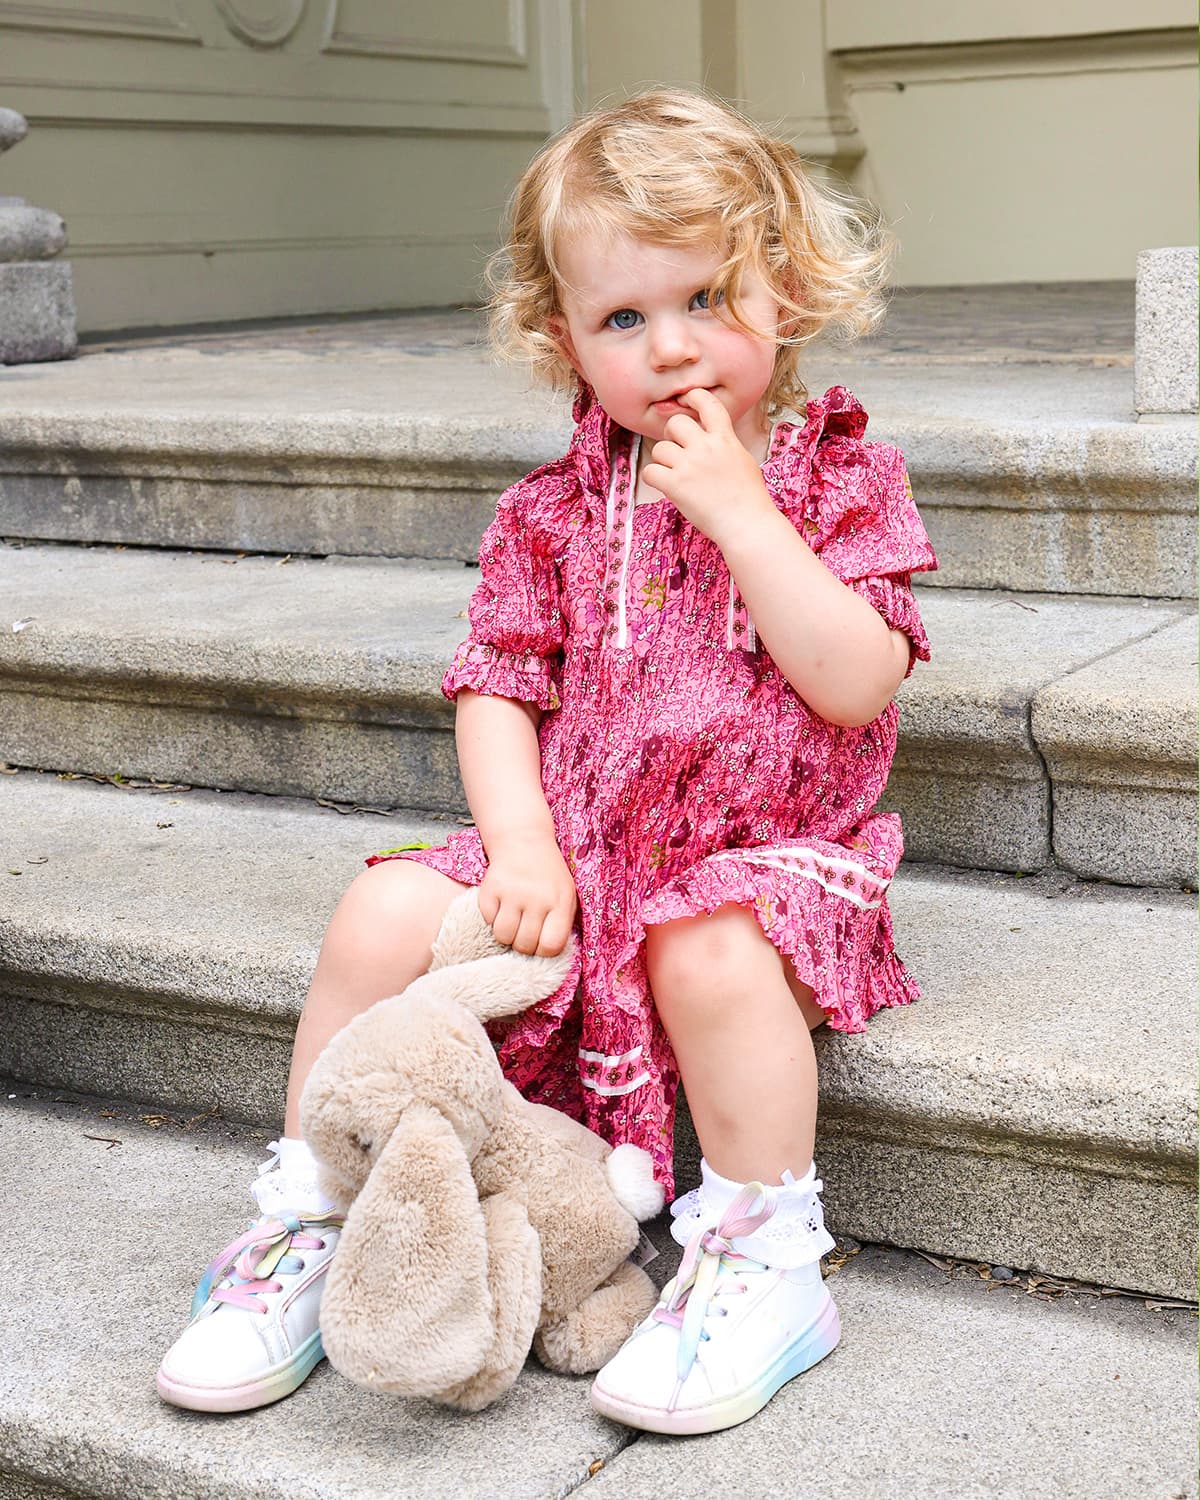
528,896
702,468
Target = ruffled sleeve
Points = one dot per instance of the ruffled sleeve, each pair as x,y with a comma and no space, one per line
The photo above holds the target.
860,517
517,627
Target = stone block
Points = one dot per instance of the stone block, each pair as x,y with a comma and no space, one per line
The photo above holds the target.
29,233
1012,1203
1119,741
13,128
1165,364
37,312
159,1008
968,779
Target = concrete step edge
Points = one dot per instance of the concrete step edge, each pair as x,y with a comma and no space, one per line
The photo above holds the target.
1080,456
1103,508
1001,1069
322,679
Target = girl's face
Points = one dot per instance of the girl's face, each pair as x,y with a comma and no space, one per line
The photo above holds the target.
636,325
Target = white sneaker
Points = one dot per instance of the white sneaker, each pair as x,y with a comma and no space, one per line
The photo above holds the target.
254,1335
728,1331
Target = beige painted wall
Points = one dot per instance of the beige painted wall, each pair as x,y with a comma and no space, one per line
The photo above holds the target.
1055,154
224,159
1007,140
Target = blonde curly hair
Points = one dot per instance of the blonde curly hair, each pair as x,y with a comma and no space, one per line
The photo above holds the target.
678,167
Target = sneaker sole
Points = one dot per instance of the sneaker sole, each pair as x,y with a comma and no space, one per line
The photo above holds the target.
280,1382
808,1350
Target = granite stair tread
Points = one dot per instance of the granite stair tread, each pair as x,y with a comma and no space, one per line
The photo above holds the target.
392,436
158,944
320,678
995,1390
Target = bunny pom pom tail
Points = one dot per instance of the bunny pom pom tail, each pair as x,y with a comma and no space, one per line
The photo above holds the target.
631,1176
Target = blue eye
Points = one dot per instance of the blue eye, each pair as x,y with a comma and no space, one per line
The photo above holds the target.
705,300
624,318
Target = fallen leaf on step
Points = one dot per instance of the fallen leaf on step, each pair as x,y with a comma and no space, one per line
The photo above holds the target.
353,807
942,1265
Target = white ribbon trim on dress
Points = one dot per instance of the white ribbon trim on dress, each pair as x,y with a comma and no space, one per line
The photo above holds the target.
736,611
607,1061
792,861
626,537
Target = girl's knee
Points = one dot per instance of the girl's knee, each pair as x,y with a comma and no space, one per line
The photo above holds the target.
696,957
696,963
395,904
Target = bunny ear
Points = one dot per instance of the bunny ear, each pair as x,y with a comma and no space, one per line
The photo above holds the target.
406,1307
464,934
508,981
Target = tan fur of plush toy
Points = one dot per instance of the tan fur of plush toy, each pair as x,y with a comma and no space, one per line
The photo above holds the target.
477,1224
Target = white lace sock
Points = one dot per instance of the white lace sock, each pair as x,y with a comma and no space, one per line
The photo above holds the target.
794,1235
287,1182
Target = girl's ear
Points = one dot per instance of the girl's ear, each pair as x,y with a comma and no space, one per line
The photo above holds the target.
789,322
556,326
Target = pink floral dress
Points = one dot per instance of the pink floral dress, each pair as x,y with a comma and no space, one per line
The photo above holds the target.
681,768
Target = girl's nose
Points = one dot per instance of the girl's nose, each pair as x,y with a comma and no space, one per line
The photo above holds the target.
671,343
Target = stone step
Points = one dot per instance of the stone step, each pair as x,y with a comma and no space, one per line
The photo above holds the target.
393,436
1037,1107
125,1215
320,679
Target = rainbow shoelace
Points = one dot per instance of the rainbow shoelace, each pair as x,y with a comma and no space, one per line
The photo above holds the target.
686,1298
252,1259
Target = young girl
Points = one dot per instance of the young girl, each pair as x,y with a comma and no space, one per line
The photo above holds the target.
674,719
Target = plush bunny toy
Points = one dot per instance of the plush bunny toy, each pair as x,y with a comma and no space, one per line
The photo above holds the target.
477,1224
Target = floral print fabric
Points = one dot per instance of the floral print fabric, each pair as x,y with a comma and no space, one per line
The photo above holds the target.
681,768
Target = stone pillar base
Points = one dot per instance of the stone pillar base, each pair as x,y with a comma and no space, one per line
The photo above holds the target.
1165,356
37,312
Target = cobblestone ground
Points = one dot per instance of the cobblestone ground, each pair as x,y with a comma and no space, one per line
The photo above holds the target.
1076,322
1090,321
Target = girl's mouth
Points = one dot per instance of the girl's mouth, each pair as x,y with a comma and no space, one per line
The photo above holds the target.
673,403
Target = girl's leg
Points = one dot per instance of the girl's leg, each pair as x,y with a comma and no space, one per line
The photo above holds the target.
739,1022
254,1339
377,942
747,1309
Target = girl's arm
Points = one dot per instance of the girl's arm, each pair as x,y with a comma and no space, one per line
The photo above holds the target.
527,895
839,654
831,645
